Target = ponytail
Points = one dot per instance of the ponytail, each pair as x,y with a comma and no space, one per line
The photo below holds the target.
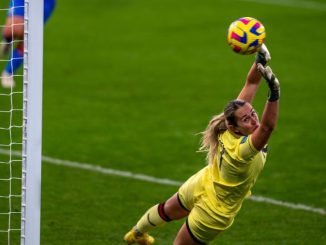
209,140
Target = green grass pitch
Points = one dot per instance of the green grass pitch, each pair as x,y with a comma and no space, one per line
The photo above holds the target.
129,84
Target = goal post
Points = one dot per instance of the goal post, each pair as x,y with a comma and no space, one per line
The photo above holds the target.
32,122
21,125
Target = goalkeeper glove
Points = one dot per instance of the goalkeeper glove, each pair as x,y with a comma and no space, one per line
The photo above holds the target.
263,55
272,82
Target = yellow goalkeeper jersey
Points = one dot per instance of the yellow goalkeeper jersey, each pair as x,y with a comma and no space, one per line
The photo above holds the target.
234,171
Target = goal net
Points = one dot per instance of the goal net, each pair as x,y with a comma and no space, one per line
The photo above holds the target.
20,127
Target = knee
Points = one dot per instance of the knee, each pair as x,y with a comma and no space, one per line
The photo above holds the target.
13,32
174,210
13,29
7,33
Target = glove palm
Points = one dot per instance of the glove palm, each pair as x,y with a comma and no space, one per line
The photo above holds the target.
271,80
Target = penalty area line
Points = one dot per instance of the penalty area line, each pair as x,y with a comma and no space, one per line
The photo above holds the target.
162,181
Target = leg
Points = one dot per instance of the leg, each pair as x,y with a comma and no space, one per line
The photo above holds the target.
13,30
16,60
184,237
156,216
174,209
201,227
14,25
161,213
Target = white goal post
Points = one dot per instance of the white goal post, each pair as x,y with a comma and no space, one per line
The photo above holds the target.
21,127
32,122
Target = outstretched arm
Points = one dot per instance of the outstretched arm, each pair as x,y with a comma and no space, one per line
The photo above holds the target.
270,115
250,88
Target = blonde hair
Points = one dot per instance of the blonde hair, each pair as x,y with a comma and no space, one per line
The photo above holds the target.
217,125
209,140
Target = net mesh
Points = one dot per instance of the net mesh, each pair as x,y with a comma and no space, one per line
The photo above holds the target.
11,120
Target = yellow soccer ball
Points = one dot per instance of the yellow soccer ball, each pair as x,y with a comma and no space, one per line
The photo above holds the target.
246,35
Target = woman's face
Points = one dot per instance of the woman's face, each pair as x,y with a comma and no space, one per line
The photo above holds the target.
247,120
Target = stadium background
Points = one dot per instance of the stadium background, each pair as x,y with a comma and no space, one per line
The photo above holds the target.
128,85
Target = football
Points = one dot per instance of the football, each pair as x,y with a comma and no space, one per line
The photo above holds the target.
246,35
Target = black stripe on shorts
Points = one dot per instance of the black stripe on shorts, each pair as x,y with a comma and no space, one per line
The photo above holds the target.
181,204
192,235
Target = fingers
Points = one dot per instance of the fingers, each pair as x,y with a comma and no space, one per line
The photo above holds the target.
266,72
269,73
261,69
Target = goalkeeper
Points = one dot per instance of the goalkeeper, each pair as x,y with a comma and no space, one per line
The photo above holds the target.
14,30
236,145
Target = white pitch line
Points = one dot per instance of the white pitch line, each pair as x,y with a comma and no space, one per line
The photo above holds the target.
163,181
109,171
292,3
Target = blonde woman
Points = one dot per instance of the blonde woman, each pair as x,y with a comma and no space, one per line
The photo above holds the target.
236,145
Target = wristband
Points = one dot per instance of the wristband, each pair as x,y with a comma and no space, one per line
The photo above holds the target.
274,89
273,95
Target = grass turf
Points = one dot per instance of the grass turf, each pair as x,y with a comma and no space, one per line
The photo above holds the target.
129,84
